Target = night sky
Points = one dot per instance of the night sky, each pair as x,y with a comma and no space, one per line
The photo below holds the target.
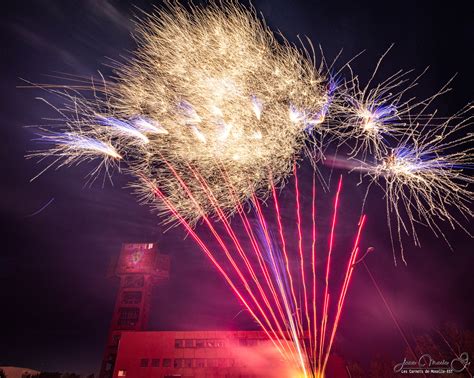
55,297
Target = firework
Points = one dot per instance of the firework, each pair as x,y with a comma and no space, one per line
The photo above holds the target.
212,113
209,88
402,145
423,178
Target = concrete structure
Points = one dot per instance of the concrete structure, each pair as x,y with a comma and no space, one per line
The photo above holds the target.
139,268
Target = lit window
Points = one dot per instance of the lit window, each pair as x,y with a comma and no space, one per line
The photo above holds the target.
200,343
122,373
210,343
144,362
179,343
155,362
166,362
189,343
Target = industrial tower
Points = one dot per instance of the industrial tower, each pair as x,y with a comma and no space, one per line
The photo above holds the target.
139,267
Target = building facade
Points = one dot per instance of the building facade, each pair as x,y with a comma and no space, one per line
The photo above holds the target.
134,352
196,354
206,354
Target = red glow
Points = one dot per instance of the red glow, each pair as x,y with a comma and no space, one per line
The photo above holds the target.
277,311
313,264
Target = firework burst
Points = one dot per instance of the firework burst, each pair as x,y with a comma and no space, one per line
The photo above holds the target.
423,177
212,112
398,143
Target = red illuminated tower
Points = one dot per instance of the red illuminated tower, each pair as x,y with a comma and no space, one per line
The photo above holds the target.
139,268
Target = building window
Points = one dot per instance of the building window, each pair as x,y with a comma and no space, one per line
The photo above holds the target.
248,342
189,343
131,297
210,343
166,362
128,316
144,362
178,363
155,362
212,362
134,281
188,363
200,363
122,373
179,343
